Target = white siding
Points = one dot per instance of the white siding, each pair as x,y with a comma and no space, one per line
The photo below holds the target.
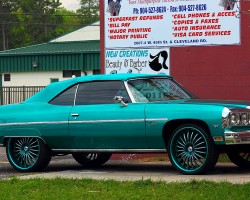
35,78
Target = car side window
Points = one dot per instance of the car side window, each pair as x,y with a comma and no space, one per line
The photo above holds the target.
65,98
101,92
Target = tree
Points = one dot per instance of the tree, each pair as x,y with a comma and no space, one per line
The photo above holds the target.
40,20
70,21
6,7
29,22
89,11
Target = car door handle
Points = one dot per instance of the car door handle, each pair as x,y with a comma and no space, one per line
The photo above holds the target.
75,115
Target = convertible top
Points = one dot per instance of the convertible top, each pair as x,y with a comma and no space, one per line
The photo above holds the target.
56,88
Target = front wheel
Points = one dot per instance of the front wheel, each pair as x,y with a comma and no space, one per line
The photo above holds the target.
28,154
191,150
240,159
91,159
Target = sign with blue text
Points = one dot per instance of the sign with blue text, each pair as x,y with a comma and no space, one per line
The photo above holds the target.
167,23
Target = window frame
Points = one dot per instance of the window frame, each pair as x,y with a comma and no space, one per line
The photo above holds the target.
95,81
62,93
190,94
130,100
7,77
72,73
54,80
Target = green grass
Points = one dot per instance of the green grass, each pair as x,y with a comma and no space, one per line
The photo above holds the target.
93,189
224,158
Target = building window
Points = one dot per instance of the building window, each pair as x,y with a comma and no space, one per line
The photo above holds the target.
6,77
96,71
70,73
53,80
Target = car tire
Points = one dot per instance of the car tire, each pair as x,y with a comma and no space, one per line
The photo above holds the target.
91,159
28,154
240,159
191,150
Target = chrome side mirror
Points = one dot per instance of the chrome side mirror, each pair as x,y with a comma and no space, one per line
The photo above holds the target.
119,99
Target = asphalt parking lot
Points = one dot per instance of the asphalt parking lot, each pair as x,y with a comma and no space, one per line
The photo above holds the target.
125,169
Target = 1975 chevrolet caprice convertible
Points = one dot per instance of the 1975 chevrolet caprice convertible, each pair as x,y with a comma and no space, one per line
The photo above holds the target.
93,117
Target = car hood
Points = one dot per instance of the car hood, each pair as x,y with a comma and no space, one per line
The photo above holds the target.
223,103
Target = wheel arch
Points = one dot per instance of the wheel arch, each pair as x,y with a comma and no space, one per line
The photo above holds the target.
170,126
5,139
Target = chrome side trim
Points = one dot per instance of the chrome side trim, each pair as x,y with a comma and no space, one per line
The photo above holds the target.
116,120
33,123
76,94
112,150
241,137
84,122
105,121
159,119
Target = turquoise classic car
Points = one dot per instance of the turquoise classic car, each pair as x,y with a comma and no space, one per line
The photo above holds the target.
93,117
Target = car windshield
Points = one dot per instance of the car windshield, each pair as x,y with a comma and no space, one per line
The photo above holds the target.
157,89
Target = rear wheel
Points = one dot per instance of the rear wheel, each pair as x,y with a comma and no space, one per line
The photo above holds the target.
191,150
240,159
91,159
28,154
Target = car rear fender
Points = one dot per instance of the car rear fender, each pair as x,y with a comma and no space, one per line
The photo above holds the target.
21,132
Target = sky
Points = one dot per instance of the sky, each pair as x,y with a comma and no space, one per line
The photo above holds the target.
71,4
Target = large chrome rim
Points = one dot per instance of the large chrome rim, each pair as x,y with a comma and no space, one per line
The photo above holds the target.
189,149
91,156
23,152
245,156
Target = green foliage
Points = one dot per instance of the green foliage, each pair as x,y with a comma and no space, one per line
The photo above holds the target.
89,11
39,20
6,6
29,22
70,21
110,189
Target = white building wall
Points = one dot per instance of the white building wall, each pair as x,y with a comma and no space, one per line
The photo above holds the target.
35,78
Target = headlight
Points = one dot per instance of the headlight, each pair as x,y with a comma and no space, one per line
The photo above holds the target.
235,117
244,119
239,119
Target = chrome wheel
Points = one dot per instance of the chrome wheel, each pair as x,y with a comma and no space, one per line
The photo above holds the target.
245,156
91,156
240,159
91,159
24,152
27,154
190,150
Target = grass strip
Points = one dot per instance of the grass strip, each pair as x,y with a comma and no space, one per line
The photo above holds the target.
94,189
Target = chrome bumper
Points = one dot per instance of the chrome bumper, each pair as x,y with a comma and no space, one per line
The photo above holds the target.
237,137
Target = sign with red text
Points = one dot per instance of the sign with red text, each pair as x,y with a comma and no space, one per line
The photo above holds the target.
144,61
166,23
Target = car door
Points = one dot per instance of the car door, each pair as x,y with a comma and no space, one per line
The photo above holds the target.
56,116
97,122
